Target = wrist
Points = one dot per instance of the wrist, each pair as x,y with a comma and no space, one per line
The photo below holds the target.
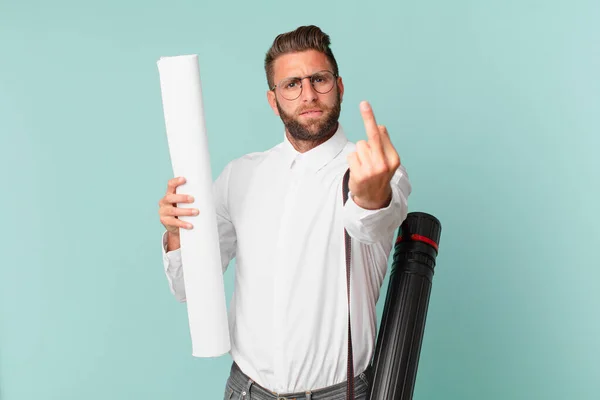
373,203
173,242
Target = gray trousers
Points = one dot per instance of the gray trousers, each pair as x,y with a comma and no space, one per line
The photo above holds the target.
241,387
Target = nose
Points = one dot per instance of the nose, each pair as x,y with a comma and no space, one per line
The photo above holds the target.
309,93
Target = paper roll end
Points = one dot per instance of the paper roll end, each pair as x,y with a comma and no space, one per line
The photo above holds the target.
212,354
175,58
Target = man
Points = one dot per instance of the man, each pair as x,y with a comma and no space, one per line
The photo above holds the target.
281,215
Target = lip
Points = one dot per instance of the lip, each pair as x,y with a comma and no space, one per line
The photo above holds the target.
312,113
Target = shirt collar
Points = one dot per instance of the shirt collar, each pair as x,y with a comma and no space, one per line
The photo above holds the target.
320,156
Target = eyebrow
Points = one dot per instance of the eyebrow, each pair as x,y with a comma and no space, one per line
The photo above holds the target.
305,76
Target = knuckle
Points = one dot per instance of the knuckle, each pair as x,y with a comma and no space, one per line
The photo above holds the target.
383,167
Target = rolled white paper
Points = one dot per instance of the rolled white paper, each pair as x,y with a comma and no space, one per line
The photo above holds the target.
183,108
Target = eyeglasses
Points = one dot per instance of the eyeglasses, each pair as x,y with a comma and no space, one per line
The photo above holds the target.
291,88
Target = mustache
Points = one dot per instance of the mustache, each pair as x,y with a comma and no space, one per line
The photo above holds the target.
319,107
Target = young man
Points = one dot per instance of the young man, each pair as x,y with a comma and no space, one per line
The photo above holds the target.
281,215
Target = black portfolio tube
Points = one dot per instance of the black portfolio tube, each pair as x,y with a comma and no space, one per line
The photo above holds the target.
400,336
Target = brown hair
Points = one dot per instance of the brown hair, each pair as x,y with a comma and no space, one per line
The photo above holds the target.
301,39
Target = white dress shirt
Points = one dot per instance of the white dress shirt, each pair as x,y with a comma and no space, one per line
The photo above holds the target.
281,216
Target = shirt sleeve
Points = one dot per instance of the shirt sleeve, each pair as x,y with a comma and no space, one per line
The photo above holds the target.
377,226
173,270
172,262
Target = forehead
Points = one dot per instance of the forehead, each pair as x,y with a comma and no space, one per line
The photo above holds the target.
299,64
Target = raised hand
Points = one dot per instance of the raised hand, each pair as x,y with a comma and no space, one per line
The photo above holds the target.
372,165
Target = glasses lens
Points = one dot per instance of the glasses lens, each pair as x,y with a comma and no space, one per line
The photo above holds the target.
323,81
290,88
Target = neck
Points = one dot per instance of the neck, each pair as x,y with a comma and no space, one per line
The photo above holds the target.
303,146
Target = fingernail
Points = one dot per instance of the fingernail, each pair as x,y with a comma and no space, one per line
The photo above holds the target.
195,212
364,106
191,198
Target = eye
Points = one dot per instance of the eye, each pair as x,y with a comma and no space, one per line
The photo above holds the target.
321,78
290,84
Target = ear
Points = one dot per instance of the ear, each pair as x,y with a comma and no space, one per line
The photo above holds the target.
272,101
340,84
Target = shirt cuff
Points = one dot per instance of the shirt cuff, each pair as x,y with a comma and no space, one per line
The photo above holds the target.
372,226
172,259
361,212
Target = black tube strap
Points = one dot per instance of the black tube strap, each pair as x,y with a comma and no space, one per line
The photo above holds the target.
350,371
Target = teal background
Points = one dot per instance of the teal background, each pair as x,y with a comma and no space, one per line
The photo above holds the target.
494,107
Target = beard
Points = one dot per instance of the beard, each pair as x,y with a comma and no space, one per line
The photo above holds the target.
314,130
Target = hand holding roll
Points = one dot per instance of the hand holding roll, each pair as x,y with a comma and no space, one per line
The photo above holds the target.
168,210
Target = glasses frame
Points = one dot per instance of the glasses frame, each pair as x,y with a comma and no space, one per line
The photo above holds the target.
335,76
